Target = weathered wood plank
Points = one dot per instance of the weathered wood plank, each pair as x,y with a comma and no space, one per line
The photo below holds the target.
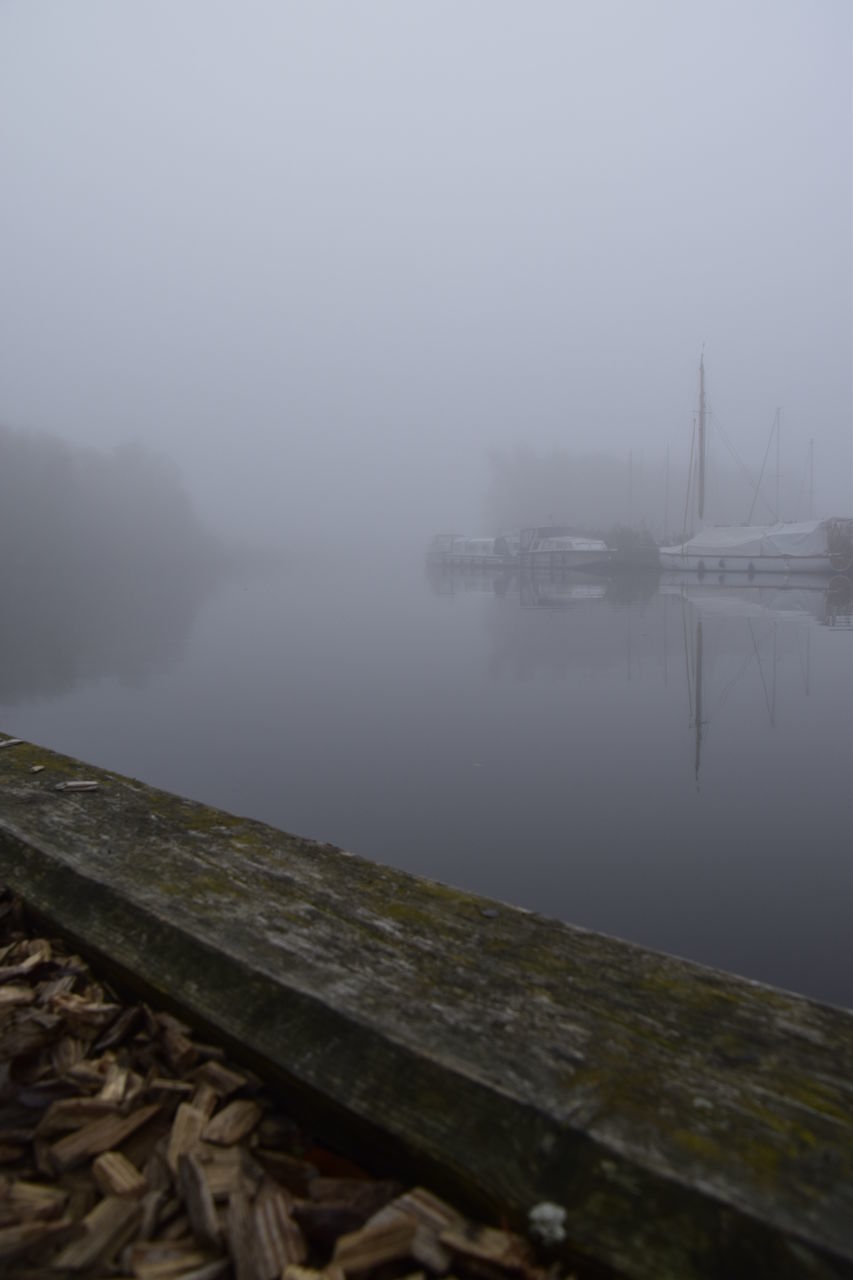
689,1123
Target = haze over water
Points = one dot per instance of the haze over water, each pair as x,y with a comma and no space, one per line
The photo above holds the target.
534,742
330,278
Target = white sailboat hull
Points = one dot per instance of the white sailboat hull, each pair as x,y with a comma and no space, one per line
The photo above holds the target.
672,558
812,546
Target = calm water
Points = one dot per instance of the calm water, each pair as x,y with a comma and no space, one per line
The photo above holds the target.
536,742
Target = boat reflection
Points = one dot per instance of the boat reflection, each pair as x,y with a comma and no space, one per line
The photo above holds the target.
752,628
826,600
450,580
559,593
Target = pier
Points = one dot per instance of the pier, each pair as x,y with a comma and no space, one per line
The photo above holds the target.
689,1123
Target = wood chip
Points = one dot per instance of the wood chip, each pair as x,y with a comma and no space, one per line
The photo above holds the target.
373,1246
425,1207
115,1085
331,1272
152,1207
11,997
81,1015
179,1051
66,1053
119,1029
230,1171
68,1114
87,1074
430,1215
487,1244
18,1241
205,1099
238,1228
210,1271
278,1239
83,784
10,742
100,1135
198,1200
233,1122
24,1035
164,1087
109,1225
165,1260
187,1129
59,986
32,960
221,1078
32,1201
116,1176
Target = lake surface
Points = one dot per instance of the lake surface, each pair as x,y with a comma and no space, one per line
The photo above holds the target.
670,763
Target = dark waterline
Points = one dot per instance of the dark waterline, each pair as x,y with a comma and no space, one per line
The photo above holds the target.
536,742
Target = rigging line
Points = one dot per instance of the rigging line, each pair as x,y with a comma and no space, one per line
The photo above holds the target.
743,467
774,428
760,671
726,690
802,486
734,453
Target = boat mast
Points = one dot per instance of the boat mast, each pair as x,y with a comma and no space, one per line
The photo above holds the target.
778,460
701,440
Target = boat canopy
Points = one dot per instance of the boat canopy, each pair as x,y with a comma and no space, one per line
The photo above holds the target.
570,544
809,538
477,547
442,543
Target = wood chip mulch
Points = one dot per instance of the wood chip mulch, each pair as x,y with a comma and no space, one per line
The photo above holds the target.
129,1148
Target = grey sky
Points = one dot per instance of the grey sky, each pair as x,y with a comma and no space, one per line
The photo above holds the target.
327,254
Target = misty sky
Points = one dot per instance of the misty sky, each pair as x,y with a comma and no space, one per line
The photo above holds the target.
326,255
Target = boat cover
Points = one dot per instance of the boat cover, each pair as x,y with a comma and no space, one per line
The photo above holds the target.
570,544
805,539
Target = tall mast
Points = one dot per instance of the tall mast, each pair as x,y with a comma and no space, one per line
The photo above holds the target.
778,460
701,440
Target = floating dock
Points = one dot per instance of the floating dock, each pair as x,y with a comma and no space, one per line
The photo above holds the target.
690,1123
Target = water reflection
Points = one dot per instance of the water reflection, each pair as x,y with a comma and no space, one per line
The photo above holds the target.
681,753
827,600
447,580
64,626
750,615
667,761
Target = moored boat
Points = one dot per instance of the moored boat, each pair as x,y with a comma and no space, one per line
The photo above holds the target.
487,553
554,548
810,546
806,546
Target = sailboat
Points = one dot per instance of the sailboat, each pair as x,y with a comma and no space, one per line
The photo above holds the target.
809,546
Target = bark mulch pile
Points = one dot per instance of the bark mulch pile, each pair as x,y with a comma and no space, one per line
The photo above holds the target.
129,1148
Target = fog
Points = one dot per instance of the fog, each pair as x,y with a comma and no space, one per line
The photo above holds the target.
330,258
